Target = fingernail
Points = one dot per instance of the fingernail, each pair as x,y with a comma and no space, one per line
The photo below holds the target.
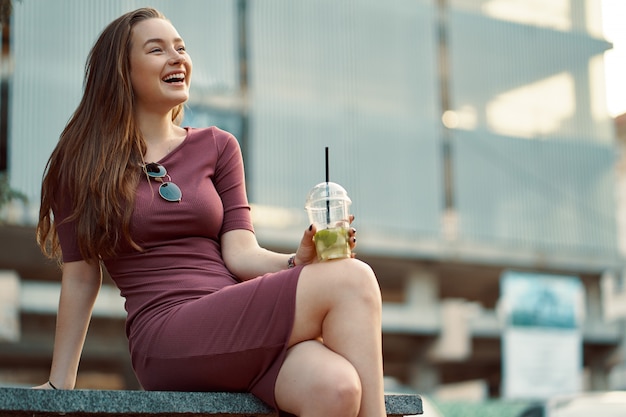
354,240
310,228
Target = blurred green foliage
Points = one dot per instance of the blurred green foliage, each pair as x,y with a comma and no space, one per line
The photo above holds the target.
8,194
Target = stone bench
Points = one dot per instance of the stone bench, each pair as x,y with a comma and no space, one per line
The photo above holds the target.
26,402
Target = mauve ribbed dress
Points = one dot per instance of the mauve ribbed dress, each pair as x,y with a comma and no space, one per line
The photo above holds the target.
191,325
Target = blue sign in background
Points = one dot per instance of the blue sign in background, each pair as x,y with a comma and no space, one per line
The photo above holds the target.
542,300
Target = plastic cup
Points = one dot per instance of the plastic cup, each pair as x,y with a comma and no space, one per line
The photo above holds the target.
328,208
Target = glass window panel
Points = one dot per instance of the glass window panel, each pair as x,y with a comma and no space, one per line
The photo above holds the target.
524,81
533,151
50,43
549,195
357,77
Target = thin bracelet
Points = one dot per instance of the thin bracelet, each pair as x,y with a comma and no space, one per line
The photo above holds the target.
291,262
51,386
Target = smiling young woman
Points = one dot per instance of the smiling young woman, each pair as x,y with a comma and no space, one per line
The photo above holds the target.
165,209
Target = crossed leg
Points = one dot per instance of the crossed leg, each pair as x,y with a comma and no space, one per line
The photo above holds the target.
338,302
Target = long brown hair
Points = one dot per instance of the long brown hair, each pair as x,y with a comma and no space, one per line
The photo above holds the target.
94,170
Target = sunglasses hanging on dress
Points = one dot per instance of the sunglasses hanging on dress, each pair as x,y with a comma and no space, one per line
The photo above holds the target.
167,190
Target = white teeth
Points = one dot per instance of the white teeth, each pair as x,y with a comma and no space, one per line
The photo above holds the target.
178,76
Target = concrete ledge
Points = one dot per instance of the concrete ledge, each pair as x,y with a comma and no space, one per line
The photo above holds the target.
25,402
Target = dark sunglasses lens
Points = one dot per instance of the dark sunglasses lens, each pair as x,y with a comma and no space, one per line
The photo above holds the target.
170,191
155,170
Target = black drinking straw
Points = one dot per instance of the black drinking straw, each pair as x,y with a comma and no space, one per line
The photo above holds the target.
327,191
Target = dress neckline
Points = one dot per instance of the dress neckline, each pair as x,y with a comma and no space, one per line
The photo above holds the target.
177,147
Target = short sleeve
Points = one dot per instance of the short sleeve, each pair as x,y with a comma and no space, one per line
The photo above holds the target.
231,185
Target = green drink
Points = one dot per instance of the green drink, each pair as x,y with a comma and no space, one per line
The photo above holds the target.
332,243
327,205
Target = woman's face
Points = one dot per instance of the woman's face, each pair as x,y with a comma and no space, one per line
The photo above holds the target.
160,68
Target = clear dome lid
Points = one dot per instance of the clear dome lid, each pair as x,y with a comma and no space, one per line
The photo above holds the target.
326,191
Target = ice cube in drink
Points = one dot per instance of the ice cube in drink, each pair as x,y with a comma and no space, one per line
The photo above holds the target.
332,243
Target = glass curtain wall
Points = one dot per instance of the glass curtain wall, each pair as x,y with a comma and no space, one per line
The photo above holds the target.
489,110
533,145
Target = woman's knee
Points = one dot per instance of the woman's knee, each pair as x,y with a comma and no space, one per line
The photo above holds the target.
340,390
317,381
324,286
359,280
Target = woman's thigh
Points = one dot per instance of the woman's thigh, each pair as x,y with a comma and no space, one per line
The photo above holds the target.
325,285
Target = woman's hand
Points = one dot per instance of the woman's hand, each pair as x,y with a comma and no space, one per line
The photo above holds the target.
307,253
352,238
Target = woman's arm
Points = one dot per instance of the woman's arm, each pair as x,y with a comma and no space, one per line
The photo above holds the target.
79,287
246,259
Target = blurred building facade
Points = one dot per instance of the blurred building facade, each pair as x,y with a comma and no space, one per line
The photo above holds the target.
472,136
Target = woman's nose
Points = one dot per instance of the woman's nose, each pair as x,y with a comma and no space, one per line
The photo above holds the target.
176,58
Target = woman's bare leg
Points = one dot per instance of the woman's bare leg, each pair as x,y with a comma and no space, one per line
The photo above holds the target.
340,301
315,381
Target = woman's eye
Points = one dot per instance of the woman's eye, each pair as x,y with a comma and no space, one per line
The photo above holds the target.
182,49
155,50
